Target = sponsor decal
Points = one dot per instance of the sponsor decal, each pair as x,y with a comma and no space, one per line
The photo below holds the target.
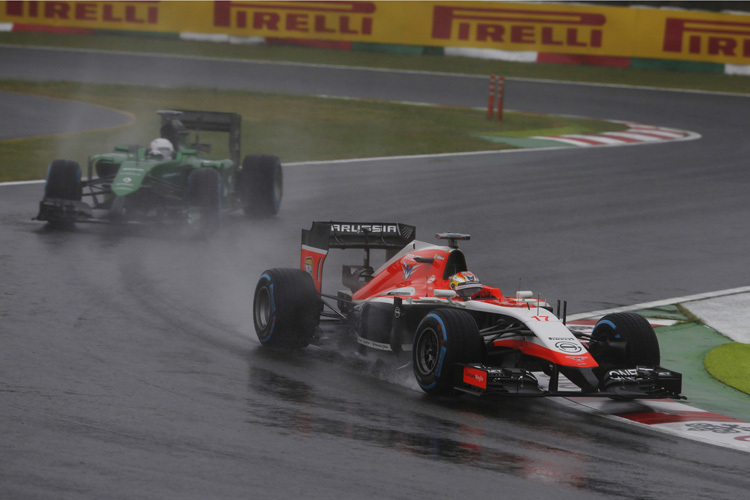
361,228
477,378
623,374
408,269
375,345
569,346
509,25
580,360
396,312
712,38
288,18
309,265
135,12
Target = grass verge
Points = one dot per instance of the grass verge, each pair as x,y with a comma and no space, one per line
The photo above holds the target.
684,347
730,364
295,128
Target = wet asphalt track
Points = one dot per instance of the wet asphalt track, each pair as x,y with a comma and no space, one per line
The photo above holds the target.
129,369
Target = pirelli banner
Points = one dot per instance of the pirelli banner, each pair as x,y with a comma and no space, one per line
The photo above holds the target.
539,27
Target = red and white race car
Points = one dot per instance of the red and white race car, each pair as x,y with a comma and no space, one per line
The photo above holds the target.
464,336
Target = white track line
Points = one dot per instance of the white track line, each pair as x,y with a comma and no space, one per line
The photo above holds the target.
660,303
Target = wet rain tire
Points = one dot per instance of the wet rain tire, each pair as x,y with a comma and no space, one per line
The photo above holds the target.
624,340
63,180
444,337
286,308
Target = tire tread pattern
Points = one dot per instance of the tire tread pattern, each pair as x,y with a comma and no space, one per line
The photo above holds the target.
296,312
462,342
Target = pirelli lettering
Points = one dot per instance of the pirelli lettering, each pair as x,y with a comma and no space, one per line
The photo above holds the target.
711,38
518,26
315,18
133,12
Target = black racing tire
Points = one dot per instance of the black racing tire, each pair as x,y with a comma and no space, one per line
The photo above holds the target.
624,340
286,308
444,337
261,185
117,211
204,201
63,180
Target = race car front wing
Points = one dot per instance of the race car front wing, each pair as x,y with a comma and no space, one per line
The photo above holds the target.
63,211
634,383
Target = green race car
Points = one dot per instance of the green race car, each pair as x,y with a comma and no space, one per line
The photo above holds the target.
170,181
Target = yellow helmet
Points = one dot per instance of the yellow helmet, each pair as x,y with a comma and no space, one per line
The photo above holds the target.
465,284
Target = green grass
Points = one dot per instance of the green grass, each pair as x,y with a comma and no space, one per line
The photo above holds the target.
295,128
730,364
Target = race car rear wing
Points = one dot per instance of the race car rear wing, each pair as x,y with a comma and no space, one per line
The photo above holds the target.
322,236
178,123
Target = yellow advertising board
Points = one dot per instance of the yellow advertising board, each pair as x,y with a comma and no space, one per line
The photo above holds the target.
538,27
140,16
570,29
693,36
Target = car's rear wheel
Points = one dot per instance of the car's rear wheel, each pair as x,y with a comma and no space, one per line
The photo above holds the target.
261,185
444,337
204,201
63,180
624,340
286,308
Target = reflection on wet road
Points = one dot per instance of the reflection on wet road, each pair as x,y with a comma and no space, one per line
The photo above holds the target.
302,411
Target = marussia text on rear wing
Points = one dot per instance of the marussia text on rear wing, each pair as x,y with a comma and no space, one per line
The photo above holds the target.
322,236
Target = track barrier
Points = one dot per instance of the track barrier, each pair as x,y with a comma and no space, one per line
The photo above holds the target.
497,94
491,101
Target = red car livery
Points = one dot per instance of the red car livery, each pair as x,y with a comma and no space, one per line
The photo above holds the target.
464,336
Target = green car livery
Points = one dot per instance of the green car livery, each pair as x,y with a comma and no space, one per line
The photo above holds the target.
171,181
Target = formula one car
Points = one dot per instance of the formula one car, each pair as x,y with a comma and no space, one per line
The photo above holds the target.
170,181
464,336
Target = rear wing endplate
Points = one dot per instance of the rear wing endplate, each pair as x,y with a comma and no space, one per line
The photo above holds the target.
322,236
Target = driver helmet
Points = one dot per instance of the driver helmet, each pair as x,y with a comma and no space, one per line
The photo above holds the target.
465,284
161,148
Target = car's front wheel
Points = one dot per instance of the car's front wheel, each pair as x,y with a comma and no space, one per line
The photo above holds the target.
63,180
444,337
624,340
286,308
63,183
